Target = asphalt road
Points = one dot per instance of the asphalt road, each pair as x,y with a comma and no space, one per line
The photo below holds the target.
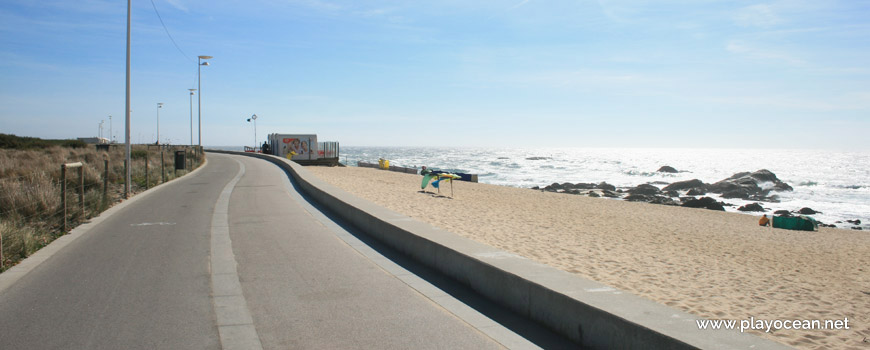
150,277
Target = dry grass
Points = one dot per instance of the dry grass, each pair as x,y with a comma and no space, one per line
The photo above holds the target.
31,212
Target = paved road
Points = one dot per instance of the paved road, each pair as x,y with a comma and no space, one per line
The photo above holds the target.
151,277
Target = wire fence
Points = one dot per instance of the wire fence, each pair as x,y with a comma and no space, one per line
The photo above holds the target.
39,204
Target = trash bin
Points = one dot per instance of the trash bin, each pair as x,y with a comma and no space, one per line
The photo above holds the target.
179,160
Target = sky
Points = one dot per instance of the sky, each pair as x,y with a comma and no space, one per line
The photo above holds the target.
488,73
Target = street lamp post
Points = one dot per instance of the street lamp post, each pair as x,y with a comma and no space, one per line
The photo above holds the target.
199,65
254,118
191,115
159,106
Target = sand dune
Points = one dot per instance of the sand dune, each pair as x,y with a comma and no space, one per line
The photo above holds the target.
712,264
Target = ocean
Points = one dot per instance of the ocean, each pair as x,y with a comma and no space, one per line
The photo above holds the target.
834,183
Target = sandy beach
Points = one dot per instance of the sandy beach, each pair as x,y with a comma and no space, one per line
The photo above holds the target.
712,264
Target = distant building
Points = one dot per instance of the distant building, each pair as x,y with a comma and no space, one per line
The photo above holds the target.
94,140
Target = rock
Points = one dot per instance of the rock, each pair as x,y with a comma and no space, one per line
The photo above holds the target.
663,200
538,158
783,213
685,185
594,194
696,192
828,225
737,193
645,189
610,194
638,198
704,202
857,228
745,185
751,207
855,222
584,186
606,186
667,169
536,188
671,193
807,211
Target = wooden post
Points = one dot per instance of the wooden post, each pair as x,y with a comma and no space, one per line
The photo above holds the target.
162,165
63,168
1,250
82,189
106,180
63,193
146,169
126,195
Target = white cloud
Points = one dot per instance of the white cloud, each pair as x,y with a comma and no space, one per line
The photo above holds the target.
741,48
520,4
178,5
760,15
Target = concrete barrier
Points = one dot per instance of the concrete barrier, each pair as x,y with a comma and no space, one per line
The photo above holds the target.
589,313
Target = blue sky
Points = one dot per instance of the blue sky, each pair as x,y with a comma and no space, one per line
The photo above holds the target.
691,73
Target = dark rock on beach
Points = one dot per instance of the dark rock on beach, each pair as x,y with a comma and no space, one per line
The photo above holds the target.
751,207
638,198
605,186
746,185
667,169
704,202
556,187
594,194
855,222
610,194
783,213
696,192
538,158
644,189
685,185
663,200
807,211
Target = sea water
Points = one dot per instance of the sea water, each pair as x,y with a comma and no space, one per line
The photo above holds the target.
835,183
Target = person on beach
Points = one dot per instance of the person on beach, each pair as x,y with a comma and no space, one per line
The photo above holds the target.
764,221
425,171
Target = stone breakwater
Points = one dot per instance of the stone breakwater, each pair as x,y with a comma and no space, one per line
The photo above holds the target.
760,187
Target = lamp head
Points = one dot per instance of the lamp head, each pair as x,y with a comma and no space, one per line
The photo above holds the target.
204,64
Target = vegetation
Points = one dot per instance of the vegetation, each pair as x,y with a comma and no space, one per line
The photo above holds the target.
18,142
31,211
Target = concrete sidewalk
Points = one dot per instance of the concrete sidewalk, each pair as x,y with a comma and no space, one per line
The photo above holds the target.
308,288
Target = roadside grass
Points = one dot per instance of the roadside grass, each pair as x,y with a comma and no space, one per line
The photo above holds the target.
31,209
